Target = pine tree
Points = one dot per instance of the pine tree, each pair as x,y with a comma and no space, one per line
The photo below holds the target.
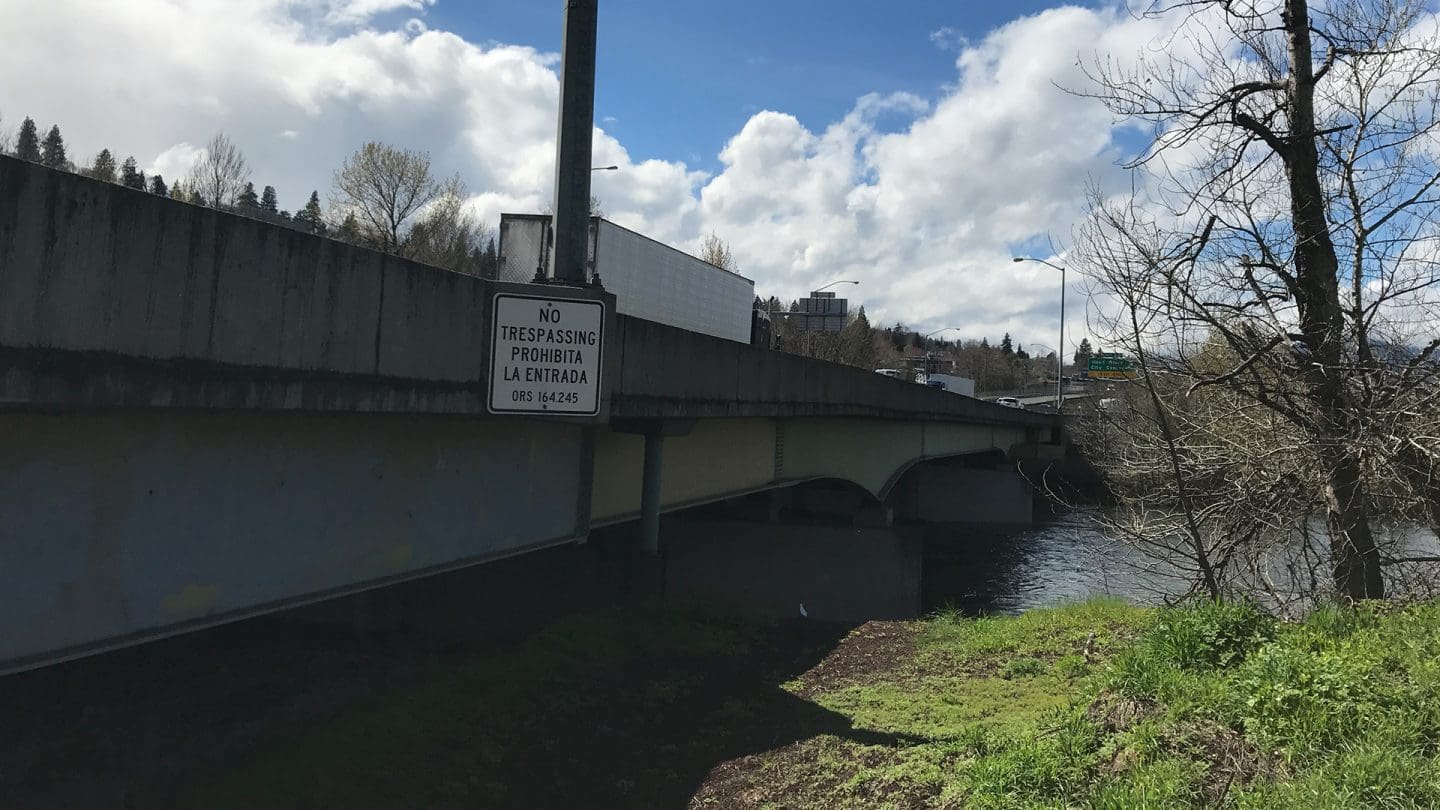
103,167
310,218
157,186
1083,353
27,147
268,202
1006,347
349,229
247,201
130,175
178,192
52,149
492,260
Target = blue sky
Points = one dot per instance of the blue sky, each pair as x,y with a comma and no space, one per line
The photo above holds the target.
680,78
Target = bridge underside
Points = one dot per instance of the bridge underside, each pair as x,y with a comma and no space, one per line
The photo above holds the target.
124,525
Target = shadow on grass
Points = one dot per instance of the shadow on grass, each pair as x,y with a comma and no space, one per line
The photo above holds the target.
625,707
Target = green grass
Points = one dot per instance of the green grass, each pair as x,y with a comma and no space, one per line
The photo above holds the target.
1095,704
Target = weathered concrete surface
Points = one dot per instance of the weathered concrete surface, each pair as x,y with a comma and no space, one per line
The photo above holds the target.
939,492
120,524
840,573
111,296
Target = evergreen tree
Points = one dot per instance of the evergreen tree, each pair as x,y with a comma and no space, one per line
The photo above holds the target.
52,149
103,167
492,260
178,192
1082,354
1006,347
349,229
157,186
247,201
268,203
130,175
310,217
27,147
985,343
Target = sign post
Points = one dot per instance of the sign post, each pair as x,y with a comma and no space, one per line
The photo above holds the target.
545,355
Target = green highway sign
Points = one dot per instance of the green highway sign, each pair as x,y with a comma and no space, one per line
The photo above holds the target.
1110,365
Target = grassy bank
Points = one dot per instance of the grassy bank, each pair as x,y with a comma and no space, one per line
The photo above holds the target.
1090,705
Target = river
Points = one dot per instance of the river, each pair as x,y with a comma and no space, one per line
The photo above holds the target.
982,570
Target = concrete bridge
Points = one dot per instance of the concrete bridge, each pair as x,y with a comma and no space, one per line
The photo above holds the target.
205,417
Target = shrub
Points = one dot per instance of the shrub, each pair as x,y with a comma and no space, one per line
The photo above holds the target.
1210,635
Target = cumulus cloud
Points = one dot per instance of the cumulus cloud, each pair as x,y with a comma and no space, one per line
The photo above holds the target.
925,214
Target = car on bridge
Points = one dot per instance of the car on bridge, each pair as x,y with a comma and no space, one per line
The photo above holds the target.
1010,402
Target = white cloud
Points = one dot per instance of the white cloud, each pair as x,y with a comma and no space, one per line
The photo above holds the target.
925,217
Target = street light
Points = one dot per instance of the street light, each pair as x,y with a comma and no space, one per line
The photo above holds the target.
938,331
1059,355
833,283
603,168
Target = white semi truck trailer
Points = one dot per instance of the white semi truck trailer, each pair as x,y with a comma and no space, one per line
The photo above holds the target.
649,279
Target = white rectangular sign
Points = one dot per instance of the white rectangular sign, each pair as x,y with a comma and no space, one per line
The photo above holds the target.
545,355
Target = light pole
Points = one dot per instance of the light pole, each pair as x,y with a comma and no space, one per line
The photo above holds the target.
1060,354
603,168
833,283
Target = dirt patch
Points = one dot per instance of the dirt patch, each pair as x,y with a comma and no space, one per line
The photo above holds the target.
872,652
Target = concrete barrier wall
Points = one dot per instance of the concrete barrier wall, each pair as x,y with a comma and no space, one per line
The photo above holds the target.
113,296
669,372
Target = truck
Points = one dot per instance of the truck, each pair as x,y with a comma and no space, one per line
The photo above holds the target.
650,280
949,382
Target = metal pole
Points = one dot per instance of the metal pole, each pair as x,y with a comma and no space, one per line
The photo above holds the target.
650,491
573,141
1060,355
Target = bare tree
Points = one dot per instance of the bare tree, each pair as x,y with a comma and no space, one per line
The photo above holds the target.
6,143
1284,227
385,189
714,251
447,234
219,173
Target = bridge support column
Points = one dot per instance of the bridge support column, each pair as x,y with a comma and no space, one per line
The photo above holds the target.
650,492
838,572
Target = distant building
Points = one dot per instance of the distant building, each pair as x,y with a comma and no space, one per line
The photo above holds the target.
822,312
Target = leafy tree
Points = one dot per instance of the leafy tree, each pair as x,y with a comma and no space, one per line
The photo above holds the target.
384,189
713,250
27,145
130,175
447,234
268,203
218,174
103,167
52,149
157,186
247,201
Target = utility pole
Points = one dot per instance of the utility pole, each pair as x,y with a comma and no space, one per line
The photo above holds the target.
573,141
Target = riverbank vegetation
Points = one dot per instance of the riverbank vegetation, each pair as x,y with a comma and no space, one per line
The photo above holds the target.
1096,704
1272,273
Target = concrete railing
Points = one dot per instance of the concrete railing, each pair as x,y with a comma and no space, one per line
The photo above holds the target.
111,296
